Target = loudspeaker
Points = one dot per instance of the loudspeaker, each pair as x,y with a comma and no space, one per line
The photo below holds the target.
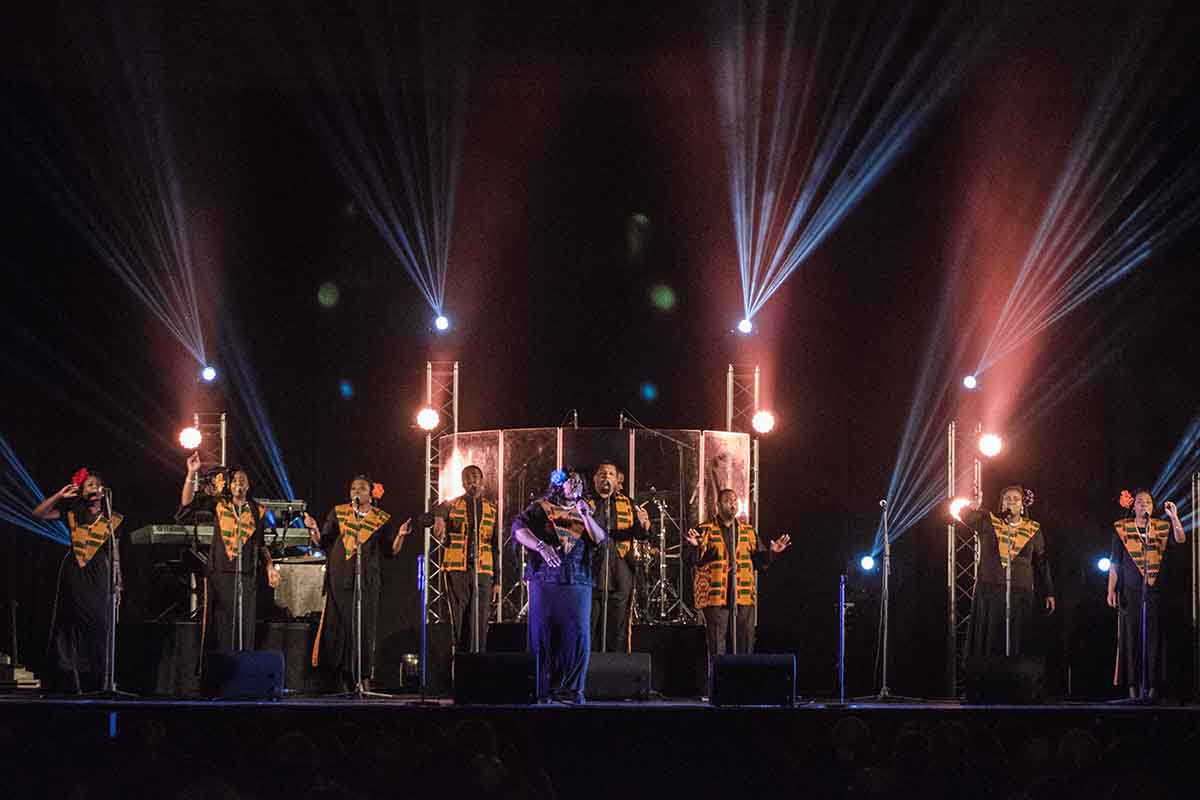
618,676
754,680
248,674
495,678
680,656
1006,680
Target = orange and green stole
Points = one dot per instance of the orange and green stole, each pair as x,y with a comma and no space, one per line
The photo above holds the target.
86,540
1012,540
568,525
236,529
712,579
1146,555
622,509
356,529
454,559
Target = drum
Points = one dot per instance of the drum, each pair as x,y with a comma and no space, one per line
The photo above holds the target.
299,593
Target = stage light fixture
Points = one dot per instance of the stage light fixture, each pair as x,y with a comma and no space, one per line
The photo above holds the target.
956,507
763,422
970,382
745,326
428,419
190,438
990,444
866,563
208,374
1104,564
442,323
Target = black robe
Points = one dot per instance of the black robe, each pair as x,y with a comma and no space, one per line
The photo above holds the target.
985,632
78,646
335,645
221,576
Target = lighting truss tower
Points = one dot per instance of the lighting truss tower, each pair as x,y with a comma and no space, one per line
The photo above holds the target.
212,427
741,404
441,394
962,569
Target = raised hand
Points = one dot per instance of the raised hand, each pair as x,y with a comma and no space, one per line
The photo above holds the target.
193,463
781,544
693,537
643,517
68,491
398,542
439,528
1171,509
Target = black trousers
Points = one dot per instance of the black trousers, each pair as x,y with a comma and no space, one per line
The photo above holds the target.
620,602
716,629
461,591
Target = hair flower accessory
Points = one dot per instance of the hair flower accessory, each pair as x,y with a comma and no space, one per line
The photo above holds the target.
377,490
1126,499
79,477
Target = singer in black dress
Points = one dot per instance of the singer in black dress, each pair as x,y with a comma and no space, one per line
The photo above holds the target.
358,525
79,626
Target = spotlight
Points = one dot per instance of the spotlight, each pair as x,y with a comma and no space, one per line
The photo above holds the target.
763,422
442,323
867,563
428,419
745,326
190,438
1104,564
970,382
990,444
208,374
956,507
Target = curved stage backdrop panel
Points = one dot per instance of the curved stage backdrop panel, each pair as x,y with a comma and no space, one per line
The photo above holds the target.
675,473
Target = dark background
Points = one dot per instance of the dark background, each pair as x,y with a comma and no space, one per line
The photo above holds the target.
577,119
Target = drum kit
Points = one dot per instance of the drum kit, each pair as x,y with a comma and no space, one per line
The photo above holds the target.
658,569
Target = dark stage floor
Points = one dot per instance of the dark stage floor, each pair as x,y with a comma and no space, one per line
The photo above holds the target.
331,747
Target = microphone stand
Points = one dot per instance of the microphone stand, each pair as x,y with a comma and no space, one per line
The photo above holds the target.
239,609
475,506
1144,677
359,692
114,570
607,586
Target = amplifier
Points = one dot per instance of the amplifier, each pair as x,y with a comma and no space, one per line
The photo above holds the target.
182,534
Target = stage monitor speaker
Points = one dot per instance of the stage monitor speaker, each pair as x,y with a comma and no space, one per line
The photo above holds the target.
1006,680
495,679
754,680
244,675
618,676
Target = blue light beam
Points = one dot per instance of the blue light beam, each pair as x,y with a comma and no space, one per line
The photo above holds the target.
1126,193
19,494
402,163
783,210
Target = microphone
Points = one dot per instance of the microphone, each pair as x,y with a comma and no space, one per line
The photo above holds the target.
621,420
354,501
883,504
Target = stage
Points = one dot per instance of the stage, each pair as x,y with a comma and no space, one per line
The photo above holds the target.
319,746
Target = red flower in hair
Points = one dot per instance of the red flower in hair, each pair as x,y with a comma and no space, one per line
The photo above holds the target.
79,477
377,490
1126,499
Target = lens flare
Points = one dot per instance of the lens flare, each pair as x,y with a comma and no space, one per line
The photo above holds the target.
190,438
1103,564
442,322
867,563
956,507
763,422
990,444
428,419
208,374
970,382
745,326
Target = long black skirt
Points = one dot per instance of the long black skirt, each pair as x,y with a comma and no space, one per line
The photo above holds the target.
79,631
220,625
1129,639
335,643
985,631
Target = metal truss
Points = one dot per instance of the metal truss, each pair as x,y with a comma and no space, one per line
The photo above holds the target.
441,394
